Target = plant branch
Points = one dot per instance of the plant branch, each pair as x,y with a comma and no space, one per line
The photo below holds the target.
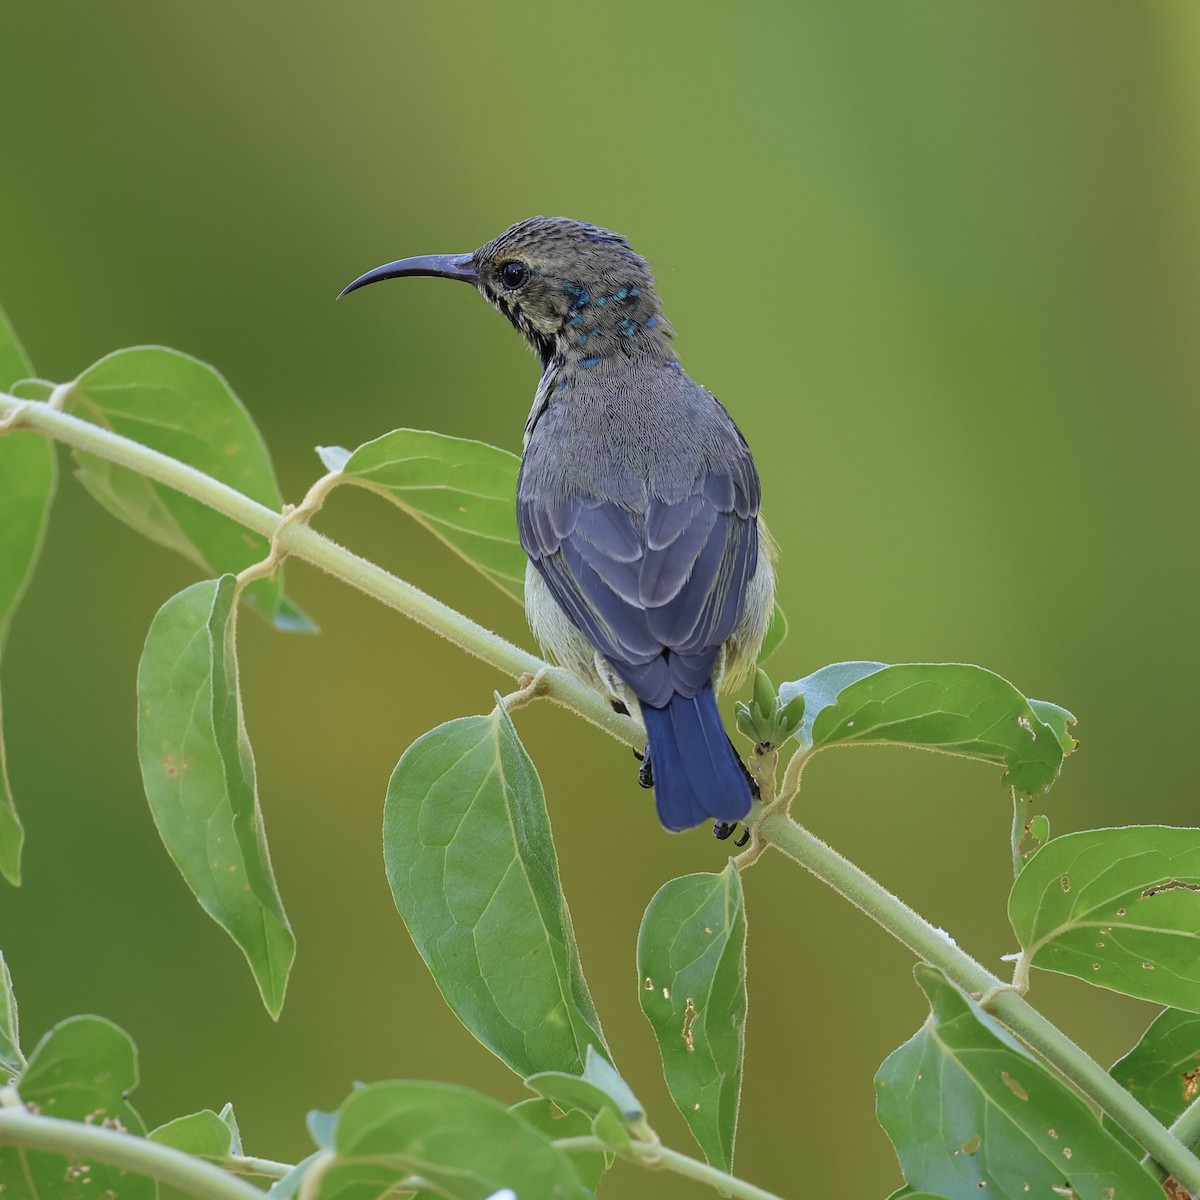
19,1127
1187,1125
1001,1000
653,1155
267,1168
298,540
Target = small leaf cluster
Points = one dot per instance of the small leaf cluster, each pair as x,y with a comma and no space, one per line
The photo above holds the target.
767,720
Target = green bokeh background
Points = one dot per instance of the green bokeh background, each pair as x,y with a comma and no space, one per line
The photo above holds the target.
940,260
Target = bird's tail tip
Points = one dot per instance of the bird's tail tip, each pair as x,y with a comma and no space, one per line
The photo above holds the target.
697,773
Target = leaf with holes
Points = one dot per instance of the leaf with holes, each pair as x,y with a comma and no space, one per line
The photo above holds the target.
464,492
464,1145
198,771
471,863
970,1111
953,708
692,965
80,1071
1162,1071
184,408
1117,907
28,474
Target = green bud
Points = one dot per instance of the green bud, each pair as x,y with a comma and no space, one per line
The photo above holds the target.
764,693
793,713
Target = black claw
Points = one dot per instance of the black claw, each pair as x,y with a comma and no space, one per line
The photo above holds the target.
722,829
618,706
754,789
639,757
743,839
646,771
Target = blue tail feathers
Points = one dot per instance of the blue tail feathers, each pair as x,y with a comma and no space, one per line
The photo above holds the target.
697,773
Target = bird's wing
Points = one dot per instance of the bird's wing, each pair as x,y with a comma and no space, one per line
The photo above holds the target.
671,579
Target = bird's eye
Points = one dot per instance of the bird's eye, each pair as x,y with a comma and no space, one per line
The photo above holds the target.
513,274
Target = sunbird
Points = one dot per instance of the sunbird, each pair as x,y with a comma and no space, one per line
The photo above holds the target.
649,572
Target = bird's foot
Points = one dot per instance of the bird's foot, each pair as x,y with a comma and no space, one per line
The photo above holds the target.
754,788
646,770
725,829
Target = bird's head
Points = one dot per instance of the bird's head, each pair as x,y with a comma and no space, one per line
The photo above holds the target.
570,288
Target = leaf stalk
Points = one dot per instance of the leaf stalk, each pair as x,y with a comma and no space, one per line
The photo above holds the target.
656,1156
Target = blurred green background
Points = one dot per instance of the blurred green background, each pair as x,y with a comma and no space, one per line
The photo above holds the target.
941,261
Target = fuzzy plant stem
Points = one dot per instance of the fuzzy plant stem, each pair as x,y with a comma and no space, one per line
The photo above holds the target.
650,1154
94,1143
298,540
1000,999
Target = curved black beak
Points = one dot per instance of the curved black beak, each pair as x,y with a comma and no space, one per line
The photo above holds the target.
444,266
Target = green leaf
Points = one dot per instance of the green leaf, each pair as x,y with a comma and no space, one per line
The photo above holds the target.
589,1165
198,772
320,1126
182,407
613,1132
569,1091
464,1145
970,1112
28,473
1060,721
777,631
11,1058
692,965
463,492
14,362
1162,1071
229,1118
949,707
600,1072
202,1134
1117,907
600,1087
820,690
80,1071
471,863
906,1193
289,1186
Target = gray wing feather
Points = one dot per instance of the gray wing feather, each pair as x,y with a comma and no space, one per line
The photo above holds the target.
656,593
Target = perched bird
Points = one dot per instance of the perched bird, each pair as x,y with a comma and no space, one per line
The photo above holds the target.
638,503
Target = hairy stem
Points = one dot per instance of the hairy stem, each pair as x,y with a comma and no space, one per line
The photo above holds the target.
298,540
651,1154
19,1127
266,1168
1002,1001
1187,1125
